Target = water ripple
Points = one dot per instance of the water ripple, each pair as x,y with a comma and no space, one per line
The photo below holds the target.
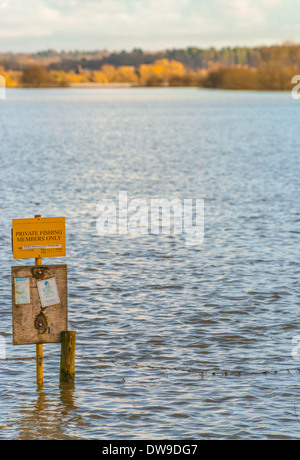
173,341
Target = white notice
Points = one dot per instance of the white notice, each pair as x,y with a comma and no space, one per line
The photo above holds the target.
22,292
48,292
42,246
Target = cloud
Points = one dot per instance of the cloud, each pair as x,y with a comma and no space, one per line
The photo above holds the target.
242,10
150,24
249,12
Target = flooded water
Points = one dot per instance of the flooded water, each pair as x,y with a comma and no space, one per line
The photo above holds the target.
174,341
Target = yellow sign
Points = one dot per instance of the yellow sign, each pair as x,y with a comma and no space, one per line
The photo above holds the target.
38,237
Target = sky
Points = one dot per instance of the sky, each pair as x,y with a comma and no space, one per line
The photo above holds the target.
152,25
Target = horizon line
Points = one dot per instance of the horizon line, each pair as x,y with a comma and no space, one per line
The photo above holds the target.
120,50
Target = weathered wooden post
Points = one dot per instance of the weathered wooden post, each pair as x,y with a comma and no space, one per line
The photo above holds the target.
39,365
67,358
39,352
39,346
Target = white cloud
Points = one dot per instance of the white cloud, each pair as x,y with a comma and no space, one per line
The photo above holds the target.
248,12
21,20
150,24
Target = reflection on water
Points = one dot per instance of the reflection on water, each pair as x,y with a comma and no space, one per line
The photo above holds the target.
173,341
41,418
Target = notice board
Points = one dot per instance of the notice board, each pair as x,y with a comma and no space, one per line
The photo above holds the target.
39,303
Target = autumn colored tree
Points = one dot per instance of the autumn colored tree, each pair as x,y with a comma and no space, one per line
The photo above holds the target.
126,74
110,72
272,76
37,76
231,77
160,72
98,76
12,77
276,77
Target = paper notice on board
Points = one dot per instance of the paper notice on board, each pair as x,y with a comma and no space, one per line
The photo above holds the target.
22,291
48,292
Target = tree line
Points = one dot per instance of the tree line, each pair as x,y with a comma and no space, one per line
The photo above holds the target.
262,68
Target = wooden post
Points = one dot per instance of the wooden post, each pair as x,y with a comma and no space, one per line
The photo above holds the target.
67,358
39,348
39,365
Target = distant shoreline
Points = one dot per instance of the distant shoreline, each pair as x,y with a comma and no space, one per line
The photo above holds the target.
240,68
134,85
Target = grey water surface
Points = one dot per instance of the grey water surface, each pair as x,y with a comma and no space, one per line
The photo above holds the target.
174,341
